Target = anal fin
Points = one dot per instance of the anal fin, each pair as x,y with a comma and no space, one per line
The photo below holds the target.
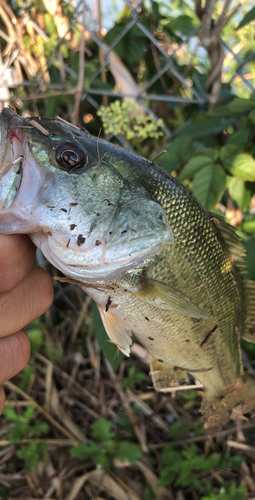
116,330
165,375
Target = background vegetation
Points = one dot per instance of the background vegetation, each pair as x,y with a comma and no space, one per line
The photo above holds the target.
81,422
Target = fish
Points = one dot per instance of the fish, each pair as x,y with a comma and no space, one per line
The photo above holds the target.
159,266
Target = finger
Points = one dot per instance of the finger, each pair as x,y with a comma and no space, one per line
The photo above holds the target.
28,300
2,399
14,355
17,255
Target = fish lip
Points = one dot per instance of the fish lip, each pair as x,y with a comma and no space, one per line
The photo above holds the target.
11,156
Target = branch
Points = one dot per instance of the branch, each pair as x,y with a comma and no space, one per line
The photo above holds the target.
80,84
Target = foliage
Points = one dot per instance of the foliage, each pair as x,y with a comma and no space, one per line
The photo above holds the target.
229,491
21,427
183,467
125,118
106,446
133,378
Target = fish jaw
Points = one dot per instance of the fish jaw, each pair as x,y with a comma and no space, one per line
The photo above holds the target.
18,186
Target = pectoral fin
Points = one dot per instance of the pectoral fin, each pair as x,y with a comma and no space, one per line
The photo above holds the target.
162,295
116,330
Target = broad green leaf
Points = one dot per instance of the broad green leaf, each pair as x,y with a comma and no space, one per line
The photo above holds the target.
242,137
175,152
229,151
193,166
110,351
208,185
241,105
184,24
238,105
241,165
249,245
239,192
210,152
252,115
204,128
249,226
248,18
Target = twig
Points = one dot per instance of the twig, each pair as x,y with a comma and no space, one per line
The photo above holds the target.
79,88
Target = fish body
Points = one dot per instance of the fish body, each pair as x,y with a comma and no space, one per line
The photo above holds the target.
137,241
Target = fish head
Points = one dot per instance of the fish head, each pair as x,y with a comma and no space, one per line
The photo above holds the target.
73,195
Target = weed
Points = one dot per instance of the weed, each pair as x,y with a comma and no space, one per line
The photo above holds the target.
133,378
21,428
181,467
106,446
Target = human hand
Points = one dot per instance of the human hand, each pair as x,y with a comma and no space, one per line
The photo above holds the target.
26,292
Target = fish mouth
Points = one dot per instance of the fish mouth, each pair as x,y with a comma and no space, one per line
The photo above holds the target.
12,138
20,176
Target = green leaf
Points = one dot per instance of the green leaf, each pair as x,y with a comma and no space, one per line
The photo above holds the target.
239,192
241,165
183,23
129,451
102,429
175,152
249,226
249,245
241,105
248,18
110,351
238,105
204,128
208,185
252,115
242,137
36,339
193,166
131,46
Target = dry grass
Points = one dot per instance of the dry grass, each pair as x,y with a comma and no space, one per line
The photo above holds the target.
72,393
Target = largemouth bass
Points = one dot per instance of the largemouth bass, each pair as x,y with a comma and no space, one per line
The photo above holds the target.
158,265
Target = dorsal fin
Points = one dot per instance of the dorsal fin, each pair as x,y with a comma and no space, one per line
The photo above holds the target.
236,249
249,333
117,330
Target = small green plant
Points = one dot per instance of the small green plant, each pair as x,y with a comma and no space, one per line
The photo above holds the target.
106,446
133,378
182,467
123,118
21,428
230,491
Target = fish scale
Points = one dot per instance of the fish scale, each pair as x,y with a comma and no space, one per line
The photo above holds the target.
202,245
137,241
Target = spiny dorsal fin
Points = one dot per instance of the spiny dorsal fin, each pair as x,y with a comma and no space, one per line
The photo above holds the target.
249,333
165,375
233,241
159,294
116,330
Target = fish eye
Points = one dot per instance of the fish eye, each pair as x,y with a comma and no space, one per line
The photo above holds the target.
69,156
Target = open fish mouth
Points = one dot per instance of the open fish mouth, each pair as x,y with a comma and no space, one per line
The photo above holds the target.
12,155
